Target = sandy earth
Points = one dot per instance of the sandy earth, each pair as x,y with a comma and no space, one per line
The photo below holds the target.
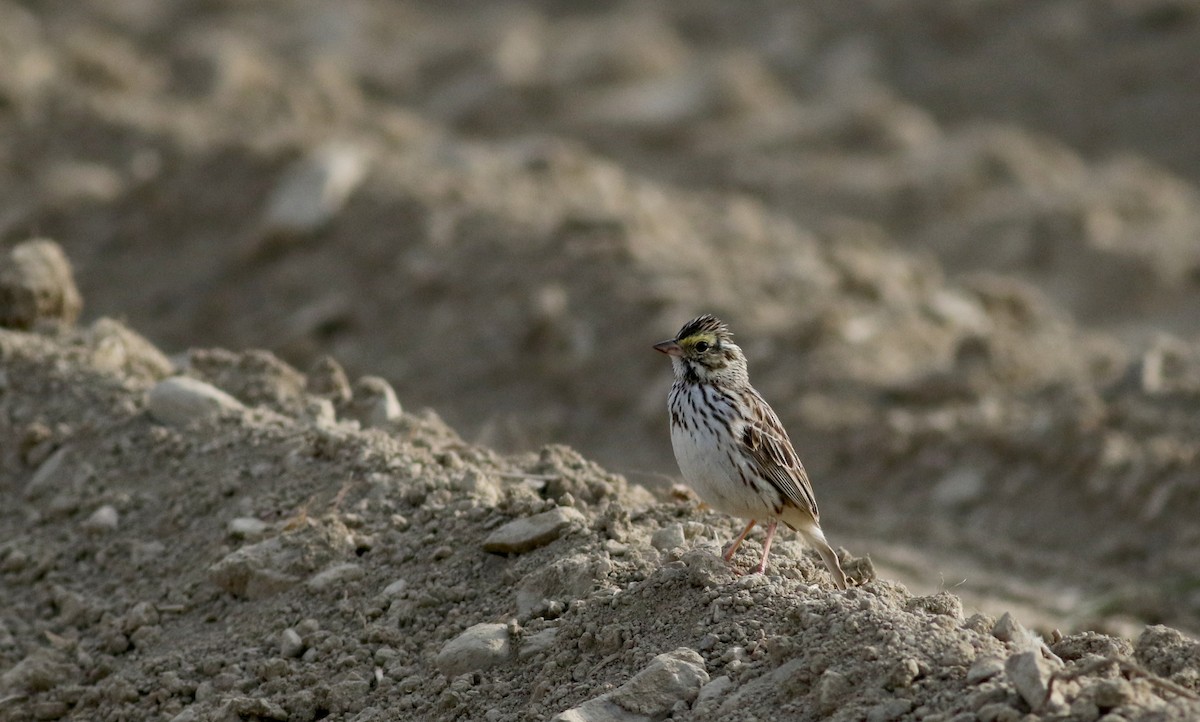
957,241
173,552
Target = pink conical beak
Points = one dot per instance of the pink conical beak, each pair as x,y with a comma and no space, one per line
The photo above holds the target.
670,348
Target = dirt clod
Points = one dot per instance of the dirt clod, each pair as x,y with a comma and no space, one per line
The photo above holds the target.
37,284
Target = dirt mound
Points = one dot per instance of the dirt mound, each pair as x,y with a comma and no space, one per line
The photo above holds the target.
541,271
953,292
251,181
241,562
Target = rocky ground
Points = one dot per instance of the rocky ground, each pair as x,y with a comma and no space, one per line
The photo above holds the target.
957,241
304,550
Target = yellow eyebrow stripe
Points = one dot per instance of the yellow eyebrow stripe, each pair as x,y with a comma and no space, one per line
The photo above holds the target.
697,338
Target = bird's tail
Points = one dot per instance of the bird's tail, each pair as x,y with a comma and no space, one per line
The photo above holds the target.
811,531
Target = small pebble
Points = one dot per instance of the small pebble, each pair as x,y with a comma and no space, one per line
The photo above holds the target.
522,535
290,643
336,575
395,589
374,404
481,647
181,400
314,189
104,519
1008,629
36,284
1030,675
667,538
984,669
246,527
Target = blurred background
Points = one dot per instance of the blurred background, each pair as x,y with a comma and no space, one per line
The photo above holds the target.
959,241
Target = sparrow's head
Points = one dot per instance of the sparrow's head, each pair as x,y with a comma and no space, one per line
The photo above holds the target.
704,351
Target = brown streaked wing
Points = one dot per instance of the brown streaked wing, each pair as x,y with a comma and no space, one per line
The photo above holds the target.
767,442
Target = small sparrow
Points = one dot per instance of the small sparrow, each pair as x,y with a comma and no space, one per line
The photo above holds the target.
730,445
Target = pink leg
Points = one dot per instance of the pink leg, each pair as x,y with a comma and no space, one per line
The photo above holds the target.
729,551
762,566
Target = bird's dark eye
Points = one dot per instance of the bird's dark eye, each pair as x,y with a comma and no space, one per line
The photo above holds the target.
702,346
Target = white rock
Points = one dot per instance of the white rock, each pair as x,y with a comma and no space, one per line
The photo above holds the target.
1030,675
479,486
669,679
667,538
522,535
290,643
537,643
959,486
984,669
562,581
832,690
336,575
255,571
712,694
180,400
1008,629
374,404
247,527
103,519
395,589
481,647
313,190
50,474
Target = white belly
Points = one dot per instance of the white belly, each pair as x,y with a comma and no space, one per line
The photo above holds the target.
711,466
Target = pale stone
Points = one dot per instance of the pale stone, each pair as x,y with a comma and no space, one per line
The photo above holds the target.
395,589
37,284
670,679
667,538
374,404
537,643
290,643
336,575
959,487
315,189
984,669
247,527
1030,674
522,535
103,519
1008,629
481,647
255,571
180,400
